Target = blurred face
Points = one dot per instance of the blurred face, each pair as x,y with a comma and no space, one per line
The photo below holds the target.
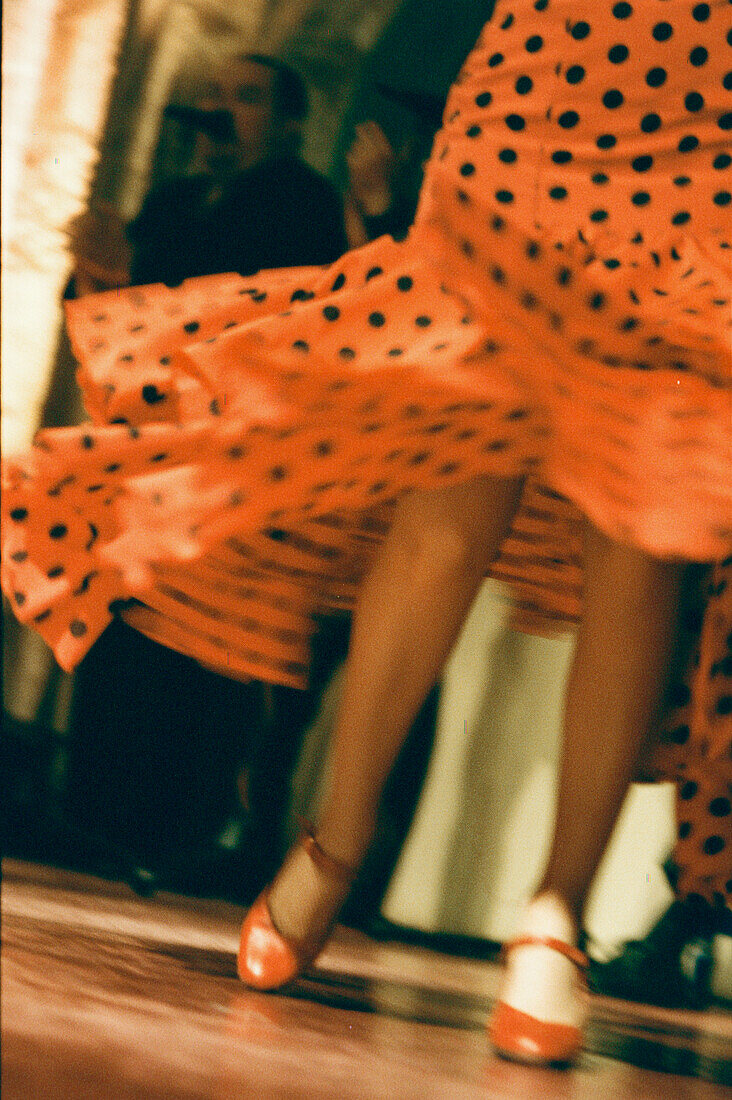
244,88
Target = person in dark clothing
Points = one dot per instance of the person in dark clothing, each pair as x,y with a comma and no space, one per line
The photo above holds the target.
157,740
257,204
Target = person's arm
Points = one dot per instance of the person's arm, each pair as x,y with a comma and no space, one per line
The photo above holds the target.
100,250
374,204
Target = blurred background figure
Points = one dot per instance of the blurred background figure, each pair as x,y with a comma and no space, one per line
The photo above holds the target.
254,203
385,174
156,742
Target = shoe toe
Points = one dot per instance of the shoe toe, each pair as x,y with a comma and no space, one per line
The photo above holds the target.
266,960
523,1038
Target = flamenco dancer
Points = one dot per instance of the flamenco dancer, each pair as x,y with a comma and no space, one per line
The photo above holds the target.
535,383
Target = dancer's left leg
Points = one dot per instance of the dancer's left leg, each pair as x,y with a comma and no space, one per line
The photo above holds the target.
615,690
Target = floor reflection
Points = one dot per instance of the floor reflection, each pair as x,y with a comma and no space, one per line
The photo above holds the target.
108,995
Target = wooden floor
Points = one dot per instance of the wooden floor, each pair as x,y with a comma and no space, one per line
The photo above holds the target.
107,995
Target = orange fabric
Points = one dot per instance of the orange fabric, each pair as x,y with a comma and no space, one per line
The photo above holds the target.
559,310
696,744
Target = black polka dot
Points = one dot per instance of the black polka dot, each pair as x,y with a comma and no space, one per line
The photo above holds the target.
650,123
640,198
19,514
373,272
151,395
331,313
507,22
613,98
483,99
694,101
575,74
524,84
720,807
688,790
642,164
376,319
713,845
191,326
685,829
722,198
558,192
339,282
662,32
473,131
701,13
19,556
301,295
467,169
507,156
423,321
699,56
495,59
622,11
725,121
568,120
561,156
727,81
58,531
724,705
301,345
606,141
515,122
77,628
323,448
580,30
347,353
504,196
618,54
534,43
656,77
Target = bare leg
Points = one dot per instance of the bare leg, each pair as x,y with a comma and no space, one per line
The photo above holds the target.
411,608
615,689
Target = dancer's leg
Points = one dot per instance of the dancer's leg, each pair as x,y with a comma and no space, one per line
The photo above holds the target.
615,689
410,610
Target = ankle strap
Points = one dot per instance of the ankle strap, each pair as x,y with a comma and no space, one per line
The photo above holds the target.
327,863
574,954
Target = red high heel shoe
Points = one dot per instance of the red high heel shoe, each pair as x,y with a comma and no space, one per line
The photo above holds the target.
269,960
523,1038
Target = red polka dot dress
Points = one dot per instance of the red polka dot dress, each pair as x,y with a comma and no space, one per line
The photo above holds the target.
560,310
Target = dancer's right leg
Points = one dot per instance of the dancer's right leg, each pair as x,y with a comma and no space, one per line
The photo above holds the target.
409,613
